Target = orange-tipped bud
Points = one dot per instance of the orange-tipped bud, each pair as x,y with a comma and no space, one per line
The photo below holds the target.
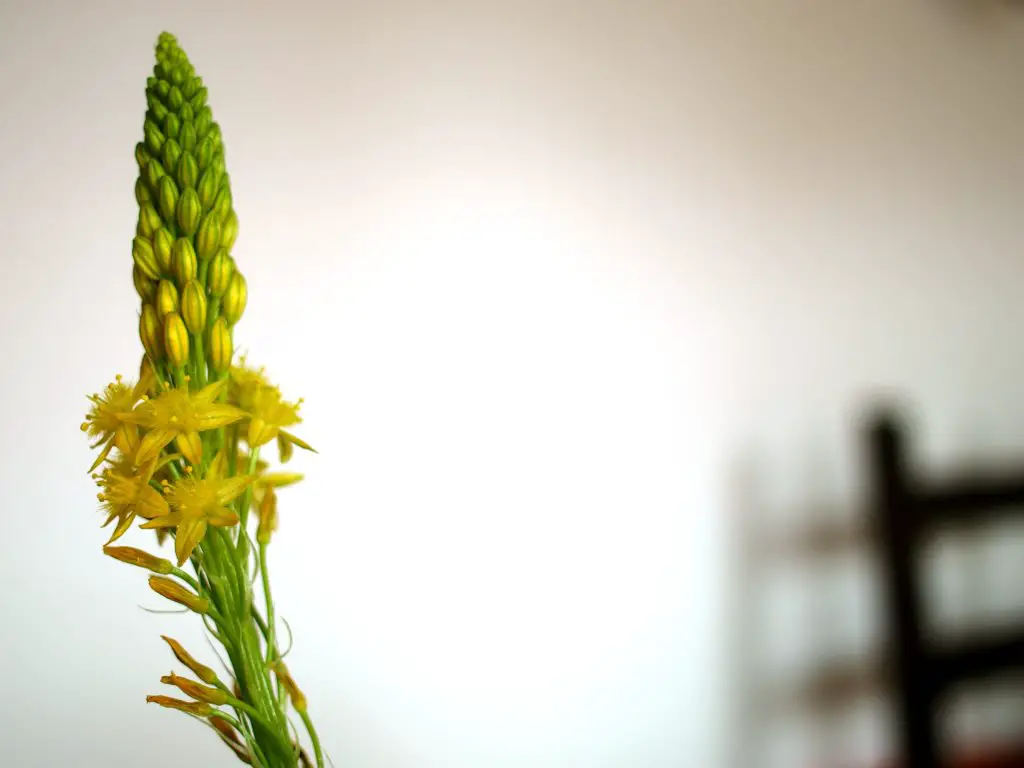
138,557
268,517
198,708
173,591
195,690
298,697
201,671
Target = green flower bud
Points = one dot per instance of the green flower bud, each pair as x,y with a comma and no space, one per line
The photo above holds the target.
141,191
193,306
174,98
235,299
188,138
163,90
141,155
229,231
207,189
172,124
218,162
149,220
189,211
183,261
218,274
221,348
188,170
144,258
222,204
199,99
159,111
178,76
218,141
153,172
163,240
187,114
154,137
151,333
204,119
204,153
176,340
189,88
208,237
171,153
145,287
168,198
166,298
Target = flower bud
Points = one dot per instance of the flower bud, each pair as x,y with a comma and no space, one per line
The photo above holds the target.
235,299
138,557
201,671
208,237
268,517
195,690
172,124
168,198
218,142
151,333
189,88
204,119
218,160
218,274
221,347
207,189
183,260
199,99
163,241
297,696
141,155
187,114
173,591
166,298
145,287
176,339
187,170
157,109
154,137
193,307
178,76
162,89
171,153
175,98
141,191
204,153
197,708
222,205
189,211
187,138
229,231
153,172
149,218
144,258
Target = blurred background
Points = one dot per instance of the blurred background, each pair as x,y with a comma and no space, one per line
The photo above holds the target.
591,304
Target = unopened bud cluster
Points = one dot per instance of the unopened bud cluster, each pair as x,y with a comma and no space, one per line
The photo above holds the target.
191,290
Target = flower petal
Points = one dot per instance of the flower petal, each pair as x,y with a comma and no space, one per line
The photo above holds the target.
154,442
127,518
223,517
294,440
210,392
191,447
260,432
216,415
230,489
170,520
190,533
151,503
279,479
102,456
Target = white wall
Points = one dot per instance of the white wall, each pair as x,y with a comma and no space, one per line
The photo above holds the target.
544,273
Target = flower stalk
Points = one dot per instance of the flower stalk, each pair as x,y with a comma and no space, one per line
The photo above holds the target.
179,451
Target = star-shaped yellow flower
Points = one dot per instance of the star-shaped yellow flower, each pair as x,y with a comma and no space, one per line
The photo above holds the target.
196,504
106,421
179,415
126,493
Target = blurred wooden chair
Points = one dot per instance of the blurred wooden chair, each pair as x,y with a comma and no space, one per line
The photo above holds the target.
907,508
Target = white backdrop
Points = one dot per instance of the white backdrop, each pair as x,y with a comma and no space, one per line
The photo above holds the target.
542,271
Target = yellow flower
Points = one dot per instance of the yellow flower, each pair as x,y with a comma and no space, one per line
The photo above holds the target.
106,421
179,415
126,493
196,504
268,415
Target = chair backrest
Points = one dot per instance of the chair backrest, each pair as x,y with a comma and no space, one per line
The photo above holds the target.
906,509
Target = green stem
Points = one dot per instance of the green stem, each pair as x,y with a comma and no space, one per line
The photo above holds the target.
313,737
271,642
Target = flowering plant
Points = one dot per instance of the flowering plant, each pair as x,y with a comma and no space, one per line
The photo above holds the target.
180,448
